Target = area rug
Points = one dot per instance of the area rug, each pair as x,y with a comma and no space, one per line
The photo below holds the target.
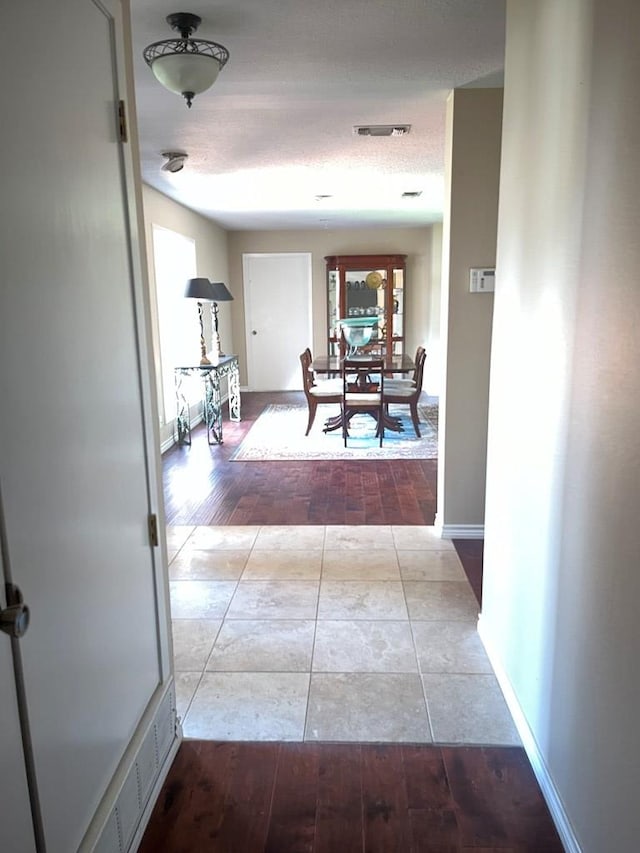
278,434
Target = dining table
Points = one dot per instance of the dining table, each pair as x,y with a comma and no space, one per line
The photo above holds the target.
331,365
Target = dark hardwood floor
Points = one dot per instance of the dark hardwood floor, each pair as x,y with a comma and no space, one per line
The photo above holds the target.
202,486
345,798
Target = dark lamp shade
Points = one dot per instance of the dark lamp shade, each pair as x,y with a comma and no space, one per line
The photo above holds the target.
220,292
199,288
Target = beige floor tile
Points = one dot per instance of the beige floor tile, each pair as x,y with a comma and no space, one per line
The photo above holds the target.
274,600
192,642
416,537
177,535
361,600
248,706
283,565
263,645
430,566
354,565
349,537
208,565
452,647
367,707
361,646
186,684
469,709
449,601
291,537
228,538
200,599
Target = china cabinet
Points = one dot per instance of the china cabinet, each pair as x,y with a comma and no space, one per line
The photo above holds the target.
371,287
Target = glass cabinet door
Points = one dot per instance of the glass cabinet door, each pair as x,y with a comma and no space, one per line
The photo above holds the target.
370,288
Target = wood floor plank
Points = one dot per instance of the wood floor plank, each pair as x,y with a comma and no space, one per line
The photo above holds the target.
426,778
387,827
497,799
247,805
434,831
190,809
339,823
293,813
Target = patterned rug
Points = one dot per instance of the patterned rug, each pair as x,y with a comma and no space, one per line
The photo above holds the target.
278,434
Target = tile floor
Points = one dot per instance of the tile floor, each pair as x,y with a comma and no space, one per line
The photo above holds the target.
329,633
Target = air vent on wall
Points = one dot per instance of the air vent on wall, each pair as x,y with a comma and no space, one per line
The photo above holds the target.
381,129
412,194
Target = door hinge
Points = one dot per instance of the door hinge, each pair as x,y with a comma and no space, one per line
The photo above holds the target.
153,531
122,122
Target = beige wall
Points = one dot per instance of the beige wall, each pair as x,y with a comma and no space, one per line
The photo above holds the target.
419,244
472,158
562,547
211,262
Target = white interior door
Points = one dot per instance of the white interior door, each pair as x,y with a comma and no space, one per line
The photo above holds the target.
73,460
277,300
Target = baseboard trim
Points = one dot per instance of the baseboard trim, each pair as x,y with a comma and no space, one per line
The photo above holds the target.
462,531
121,818
536,759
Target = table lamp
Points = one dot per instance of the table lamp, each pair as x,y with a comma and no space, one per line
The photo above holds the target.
220,294
202,290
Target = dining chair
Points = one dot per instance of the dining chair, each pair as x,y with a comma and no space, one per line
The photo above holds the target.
407,391
323,391
361,394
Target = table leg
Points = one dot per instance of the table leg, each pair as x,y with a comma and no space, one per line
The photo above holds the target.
234,394
213,408
183,417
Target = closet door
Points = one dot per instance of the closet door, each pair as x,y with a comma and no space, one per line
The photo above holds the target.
73,450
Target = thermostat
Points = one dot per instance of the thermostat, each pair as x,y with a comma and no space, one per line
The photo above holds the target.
482,279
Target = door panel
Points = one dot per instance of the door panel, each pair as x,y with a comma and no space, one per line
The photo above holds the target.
277,298
73,461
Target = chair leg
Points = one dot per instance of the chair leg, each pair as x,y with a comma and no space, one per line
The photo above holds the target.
312,416
414,418
345,425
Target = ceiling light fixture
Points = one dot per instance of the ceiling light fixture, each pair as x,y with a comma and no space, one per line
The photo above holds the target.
175,161
184,65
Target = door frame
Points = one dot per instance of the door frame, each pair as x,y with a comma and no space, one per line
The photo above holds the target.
246,258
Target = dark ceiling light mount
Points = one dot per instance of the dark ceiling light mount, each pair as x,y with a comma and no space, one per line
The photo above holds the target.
381,129
185,65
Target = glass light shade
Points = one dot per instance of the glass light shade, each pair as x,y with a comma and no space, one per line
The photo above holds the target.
358,330
186,72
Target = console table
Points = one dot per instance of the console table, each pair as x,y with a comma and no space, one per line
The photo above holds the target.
210,374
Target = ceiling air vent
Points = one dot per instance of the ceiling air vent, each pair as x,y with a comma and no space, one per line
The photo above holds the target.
381,129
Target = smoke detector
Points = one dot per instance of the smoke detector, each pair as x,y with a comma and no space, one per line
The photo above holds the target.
175,161
381,129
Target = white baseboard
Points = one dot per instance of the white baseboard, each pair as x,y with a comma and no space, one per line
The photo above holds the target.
536,759
122,816
461,531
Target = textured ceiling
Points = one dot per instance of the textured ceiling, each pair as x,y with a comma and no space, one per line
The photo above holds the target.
276,129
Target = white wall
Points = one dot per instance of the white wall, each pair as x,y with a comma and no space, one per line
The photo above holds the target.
419,244
561,582
211,261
